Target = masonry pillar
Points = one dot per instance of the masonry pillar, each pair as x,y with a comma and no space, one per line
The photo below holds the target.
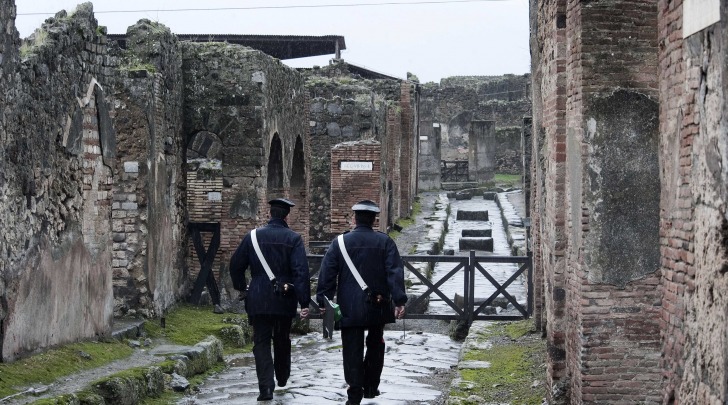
430,156
355,176
612,194
481,152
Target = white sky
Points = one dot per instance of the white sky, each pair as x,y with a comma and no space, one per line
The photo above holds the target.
430,40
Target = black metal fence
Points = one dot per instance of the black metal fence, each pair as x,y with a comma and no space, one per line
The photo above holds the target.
468,267
454,170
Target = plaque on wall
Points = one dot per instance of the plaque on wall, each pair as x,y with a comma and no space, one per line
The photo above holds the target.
214,196
699,14
363,166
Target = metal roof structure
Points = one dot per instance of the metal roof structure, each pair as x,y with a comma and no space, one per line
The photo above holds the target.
277,46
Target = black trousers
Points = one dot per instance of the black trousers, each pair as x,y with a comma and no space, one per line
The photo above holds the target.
362,371
278,329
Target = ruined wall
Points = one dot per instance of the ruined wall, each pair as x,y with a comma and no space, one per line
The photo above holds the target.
693,153
346,108
549,150
357,162
148,210
612,201
57,151
258,109
458,100
597,192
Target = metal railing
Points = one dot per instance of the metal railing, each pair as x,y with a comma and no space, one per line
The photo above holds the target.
467,267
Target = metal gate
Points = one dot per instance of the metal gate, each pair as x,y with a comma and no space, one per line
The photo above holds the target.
454,170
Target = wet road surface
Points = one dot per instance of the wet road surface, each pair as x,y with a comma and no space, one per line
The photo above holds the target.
411,364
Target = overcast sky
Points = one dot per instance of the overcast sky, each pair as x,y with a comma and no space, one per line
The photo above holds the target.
451,38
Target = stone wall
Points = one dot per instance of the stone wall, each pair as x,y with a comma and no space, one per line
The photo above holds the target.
693,152
256,108
456,101
57,153
345,108
148,211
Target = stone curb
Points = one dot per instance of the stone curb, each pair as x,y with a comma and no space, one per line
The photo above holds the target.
469,344
512,224
129,387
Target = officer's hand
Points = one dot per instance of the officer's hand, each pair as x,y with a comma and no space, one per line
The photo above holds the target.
322,309
243,295
399,312
304,313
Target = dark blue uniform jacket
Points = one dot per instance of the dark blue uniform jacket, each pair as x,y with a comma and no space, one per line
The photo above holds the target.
284,251
377,259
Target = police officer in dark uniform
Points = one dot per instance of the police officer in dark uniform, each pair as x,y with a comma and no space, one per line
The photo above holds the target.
271,304
366,306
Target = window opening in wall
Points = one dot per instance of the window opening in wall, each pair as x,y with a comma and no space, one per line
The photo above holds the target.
298,177
275,166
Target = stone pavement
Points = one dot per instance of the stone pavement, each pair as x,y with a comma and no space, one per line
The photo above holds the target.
412,366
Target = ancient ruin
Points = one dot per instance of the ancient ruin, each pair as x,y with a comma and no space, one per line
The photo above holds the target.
628,199
117,153
121,156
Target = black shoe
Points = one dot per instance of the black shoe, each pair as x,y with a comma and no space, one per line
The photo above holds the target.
371,392
282,383
350,402
266,394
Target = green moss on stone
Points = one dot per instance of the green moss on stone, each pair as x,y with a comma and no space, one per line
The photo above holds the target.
516,356
46,367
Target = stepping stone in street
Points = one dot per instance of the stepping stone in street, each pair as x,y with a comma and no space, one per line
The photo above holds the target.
485,244
477,233
465,215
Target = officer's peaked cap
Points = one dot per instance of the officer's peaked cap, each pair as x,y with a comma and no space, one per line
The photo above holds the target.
366,205
282,202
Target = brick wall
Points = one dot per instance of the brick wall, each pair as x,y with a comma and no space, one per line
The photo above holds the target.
676,225
693,237
408,152
351,186
549,227
595,198
612,238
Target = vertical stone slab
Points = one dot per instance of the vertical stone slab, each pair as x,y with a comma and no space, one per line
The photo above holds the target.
430,157
481,151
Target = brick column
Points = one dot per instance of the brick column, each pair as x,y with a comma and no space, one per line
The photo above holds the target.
355,176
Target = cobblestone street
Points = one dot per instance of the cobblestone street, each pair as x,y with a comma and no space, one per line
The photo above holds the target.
413,363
